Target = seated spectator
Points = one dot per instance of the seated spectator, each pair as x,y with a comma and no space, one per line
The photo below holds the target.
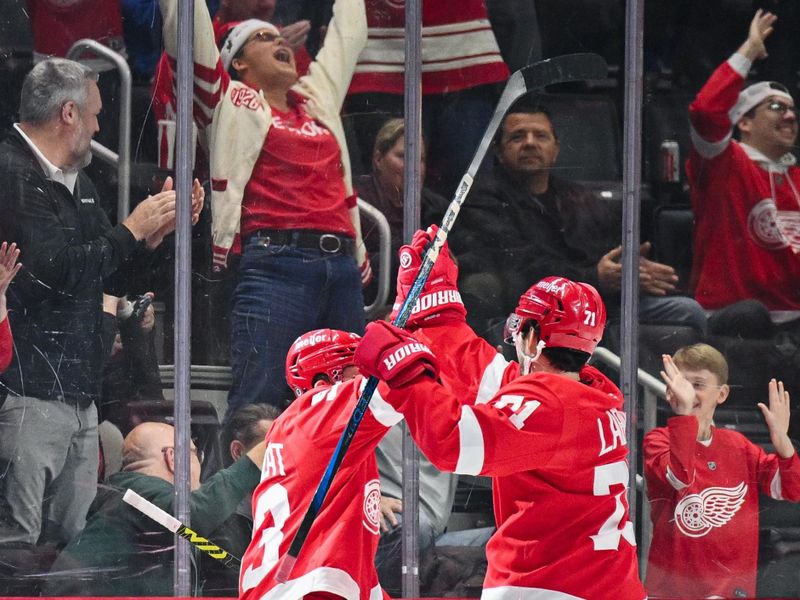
383,189
9,267
461,67
281,187
246,428
745,195
522,222
122,552
704,483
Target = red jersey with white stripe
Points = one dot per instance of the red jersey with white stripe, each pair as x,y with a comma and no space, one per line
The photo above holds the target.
704,508
557,452
459,50
339,553
746,207
6,344
300,166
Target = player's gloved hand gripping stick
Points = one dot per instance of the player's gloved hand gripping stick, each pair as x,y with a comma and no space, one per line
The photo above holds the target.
570,67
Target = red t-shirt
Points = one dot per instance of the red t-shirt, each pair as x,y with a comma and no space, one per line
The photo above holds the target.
297,179
6,344
339,553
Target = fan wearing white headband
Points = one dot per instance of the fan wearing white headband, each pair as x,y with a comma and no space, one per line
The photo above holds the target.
745,194
281,187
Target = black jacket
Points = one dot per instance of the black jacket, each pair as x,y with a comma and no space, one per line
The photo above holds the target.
518,238
71,254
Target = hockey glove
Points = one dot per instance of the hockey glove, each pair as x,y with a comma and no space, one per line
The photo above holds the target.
440,301
394,355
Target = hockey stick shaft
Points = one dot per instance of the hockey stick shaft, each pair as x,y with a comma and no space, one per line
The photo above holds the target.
167,521
571,67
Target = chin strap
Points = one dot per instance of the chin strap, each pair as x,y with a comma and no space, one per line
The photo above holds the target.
528,359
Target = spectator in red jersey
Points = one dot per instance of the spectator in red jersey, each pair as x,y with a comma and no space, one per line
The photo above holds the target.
281,187
549,429
704,483
461,66
745,194
9,267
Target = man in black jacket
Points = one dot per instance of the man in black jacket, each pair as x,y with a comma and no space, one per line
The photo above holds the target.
49,207
522,223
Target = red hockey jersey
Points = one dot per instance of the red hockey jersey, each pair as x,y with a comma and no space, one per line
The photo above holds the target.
746,207
704,501
339,553
6,345
459,50
556,450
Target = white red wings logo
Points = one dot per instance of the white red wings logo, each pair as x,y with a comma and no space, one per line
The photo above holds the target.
697,514
372,506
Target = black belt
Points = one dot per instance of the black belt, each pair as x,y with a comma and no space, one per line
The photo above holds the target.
329,243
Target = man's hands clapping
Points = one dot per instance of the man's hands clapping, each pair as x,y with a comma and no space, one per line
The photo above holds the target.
154,218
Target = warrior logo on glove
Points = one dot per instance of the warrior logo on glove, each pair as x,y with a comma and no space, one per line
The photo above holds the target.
391,361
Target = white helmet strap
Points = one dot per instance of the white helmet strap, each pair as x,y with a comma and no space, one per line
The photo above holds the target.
527,359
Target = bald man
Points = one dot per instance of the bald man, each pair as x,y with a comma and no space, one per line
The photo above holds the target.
122,552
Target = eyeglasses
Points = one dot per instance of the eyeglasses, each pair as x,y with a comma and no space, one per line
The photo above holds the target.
197,452
263,36
779,107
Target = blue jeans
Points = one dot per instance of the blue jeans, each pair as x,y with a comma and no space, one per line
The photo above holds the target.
674,310
283,292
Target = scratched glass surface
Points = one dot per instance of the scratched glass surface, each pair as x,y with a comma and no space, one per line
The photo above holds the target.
554,174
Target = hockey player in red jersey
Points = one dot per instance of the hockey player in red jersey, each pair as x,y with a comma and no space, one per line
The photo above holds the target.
704,483
550,430
337,560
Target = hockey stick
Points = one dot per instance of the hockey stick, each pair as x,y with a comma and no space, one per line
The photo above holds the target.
570,67
166,520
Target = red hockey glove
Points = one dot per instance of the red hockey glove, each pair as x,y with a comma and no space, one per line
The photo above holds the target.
439,301
393,355
366,272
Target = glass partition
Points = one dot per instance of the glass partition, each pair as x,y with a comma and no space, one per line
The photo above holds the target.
668,155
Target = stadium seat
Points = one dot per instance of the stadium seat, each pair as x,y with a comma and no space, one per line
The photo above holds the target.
590,147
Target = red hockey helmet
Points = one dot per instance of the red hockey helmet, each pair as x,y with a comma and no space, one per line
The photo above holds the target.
319,352
570,314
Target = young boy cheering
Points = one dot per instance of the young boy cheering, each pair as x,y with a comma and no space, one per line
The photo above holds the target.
704,483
